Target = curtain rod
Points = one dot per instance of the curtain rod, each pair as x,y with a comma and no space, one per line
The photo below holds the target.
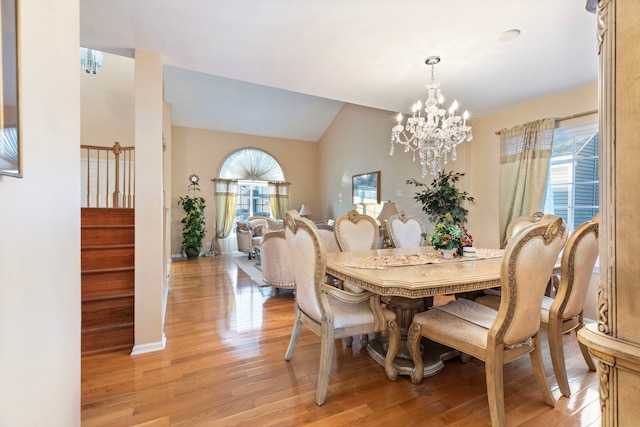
573,116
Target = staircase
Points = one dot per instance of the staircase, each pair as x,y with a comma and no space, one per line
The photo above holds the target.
107,269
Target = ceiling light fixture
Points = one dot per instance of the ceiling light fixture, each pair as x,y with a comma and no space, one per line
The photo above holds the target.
509,35
433,136
91,60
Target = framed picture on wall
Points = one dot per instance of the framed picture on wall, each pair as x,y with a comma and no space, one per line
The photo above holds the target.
10,151
366,188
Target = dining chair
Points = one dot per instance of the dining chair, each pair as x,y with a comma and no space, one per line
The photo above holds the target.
406,230
520,222
564,313
329,312
356,232
502,336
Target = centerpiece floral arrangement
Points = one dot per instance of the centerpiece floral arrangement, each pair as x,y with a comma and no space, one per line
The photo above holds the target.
448,234
442,202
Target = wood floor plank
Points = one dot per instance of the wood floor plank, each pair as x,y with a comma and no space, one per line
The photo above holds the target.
224,366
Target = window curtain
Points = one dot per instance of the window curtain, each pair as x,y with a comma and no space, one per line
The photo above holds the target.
279,198
525,155
224,204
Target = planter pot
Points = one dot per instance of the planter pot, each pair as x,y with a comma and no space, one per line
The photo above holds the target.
448,253
192,252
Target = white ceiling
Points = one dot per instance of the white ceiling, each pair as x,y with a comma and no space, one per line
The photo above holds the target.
283,68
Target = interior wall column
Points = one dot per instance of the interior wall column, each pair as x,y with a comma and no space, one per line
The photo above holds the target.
149,251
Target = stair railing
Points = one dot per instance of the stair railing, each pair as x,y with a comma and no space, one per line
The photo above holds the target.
108,177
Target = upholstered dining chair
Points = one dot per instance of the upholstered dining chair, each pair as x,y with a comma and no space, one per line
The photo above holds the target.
406,230
520,222
502,336
564,313
356,232
277,270
328,237
327,311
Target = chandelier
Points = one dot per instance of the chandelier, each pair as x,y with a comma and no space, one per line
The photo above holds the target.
431,131
91,60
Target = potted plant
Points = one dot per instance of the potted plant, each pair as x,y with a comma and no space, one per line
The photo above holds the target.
442,202
193,225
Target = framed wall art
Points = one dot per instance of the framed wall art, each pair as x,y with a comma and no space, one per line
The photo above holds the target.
366,188
10,147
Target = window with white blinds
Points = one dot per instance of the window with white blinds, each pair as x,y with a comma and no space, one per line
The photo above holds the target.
572,187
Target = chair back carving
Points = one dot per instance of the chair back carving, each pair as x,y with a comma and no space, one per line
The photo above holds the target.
406,230
528,263
520,222
356,232
578,259
309,263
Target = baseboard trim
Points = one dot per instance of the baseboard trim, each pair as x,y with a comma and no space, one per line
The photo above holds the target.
150,347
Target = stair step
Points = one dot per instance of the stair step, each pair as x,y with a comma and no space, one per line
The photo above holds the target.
97,340
110,282
108,235
114,256
106,313
107,216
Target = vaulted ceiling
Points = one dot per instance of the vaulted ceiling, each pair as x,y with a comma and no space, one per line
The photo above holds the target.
284,68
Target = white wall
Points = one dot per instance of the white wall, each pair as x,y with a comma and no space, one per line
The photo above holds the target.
40,229
107,103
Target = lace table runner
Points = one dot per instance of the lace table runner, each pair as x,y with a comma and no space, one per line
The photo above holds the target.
383,262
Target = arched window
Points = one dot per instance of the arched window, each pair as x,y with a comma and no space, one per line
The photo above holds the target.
251,164
255,170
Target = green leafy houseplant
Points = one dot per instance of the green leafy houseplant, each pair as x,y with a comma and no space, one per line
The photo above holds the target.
442,202
193,225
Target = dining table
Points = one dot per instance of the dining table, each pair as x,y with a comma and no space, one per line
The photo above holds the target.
407,279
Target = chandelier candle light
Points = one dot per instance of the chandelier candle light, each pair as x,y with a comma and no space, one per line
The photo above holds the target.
91,60
435,134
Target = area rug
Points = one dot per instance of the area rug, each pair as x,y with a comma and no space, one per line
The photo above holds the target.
252,269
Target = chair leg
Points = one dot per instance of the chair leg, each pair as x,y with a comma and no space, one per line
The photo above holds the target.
394,338
349,341
494,372
413,342
295,334
556,349
326,356
538,370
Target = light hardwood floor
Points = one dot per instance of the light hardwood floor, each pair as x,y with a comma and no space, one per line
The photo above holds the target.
224,366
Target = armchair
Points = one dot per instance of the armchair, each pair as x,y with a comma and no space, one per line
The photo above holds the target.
277,270
249,233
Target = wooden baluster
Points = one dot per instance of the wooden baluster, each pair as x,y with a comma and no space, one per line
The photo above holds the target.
129,183
97,178
116,192
88,178
107,191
